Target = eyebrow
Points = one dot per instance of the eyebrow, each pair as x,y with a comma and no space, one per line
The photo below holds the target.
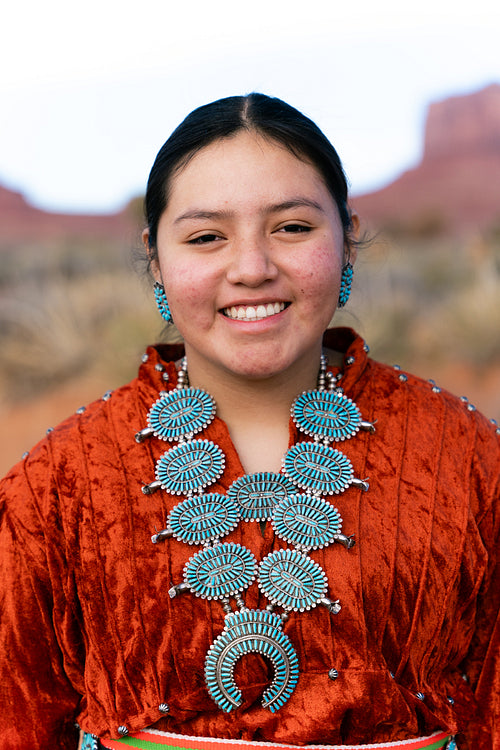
271,209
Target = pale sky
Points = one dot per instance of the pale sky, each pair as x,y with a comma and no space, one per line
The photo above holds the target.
90,91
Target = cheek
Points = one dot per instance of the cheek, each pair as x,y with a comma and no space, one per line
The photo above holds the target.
321,276
183,285
191,297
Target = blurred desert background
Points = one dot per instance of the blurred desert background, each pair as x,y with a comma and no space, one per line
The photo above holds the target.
76,310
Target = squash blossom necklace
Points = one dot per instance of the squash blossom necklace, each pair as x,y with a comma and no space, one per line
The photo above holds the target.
291,500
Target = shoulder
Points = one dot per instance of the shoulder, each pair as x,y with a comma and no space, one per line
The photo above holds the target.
95,440
117,415
435,425
429,398
60,456
91,420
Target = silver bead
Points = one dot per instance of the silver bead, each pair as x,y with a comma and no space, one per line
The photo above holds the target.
81,410
450,700
148,489
165,376
239,600
159,367
349,360
420,696
366,348
333,607
164,708
436,389
392,675
160,536
497,430
432,382
333,674
396,367
464,399
107,395
494,421
471,407
25,454
49,430
145,358
122,729
403,378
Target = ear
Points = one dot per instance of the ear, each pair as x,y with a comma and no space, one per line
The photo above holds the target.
351,249
153,259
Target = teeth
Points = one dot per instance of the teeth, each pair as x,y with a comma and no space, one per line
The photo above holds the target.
250,312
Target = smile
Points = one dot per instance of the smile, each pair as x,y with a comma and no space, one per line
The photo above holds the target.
254,312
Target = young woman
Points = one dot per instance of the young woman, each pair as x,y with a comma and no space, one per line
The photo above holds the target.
267,537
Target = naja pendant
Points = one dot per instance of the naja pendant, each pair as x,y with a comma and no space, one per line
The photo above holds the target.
251,631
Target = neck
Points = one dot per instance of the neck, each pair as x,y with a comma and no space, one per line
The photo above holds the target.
256,411
235,393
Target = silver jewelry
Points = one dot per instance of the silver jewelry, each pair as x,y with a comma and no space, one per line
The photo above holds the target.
291,500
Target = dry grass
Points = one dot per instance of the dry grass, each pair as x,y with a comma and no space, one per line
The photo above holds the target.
435,302
74,315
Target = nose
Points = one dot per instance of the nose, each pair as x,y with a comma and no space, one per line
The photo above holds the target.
251,263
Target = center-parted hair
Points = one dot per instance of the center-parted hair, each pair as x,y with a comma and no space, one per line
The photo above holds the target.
268,116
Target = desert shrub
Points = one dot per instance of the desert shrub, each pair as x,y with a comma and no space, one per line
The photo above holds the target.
429,301
65,313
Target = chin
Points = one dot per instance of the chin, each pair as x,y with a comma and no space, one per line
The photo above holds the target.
254,373
259,368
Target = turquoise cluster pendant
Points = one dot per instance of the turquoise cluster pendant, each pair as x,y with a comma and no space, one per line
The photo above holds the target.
292,501
258,494
257,631
220,572
190,467
326,414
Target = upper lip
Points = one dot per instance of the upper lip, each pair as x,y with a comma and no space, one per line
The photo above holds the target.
254,302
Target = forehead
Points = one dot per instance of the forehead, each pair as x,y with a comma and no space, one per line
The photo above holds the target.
246,163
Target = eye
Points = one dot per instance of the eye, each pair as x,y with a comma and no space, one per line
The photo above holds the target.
295,228
204,239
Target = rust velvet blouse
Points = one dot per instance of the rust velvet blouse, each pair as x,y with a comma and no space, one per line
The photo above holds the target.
90,635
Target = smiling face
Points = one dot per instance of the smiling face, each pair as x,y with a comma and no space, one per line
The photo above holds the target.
250,252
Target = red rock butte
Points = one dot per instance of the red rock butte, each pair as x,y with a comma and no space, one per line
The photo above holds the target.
456,187
22,223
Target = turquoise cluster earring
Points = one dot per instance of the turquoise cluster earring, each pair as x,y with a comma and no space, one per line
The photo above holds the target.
345,284
162,302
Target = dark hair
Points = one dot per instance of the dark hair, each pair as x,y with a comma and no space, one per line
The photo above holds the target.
272,118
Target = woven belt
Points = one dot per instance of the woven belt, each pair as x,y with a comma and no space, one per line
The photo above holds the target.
152,739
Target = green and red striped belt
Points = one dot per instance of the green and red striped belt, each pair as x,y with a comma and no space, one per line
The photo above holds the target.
152,739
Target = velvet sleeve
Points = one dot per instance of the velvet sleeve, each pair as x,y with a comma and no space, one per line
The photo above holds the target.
481,668
38,642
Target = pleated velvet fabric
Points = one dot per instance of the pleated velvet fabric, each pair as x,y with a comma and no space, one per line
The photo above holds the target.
88,633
